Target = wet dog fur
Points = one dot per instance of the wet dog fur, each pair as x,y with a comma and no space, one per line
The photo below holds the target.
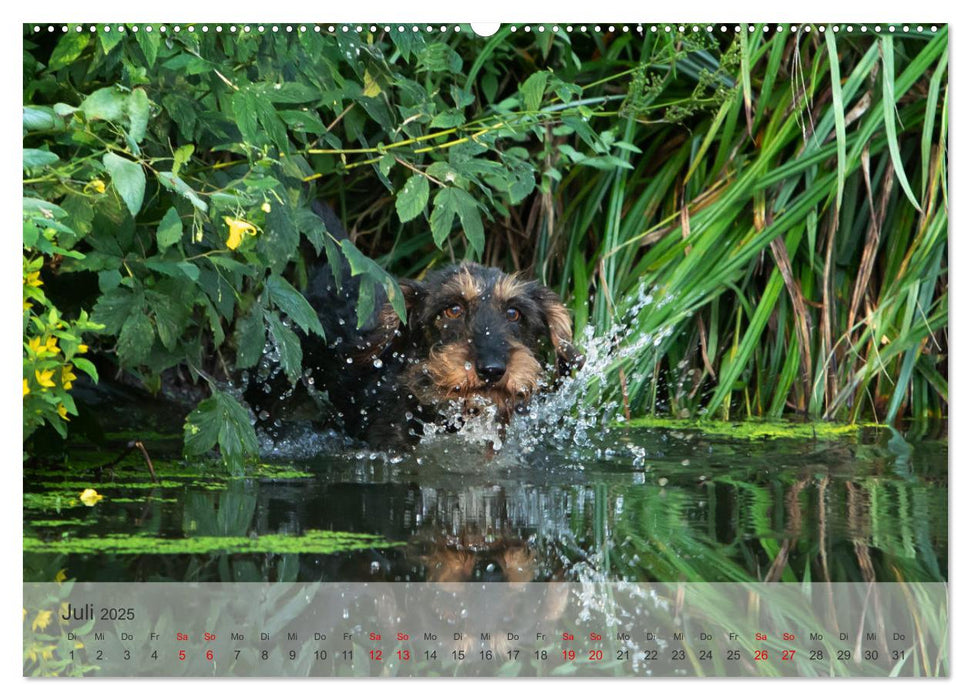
474,338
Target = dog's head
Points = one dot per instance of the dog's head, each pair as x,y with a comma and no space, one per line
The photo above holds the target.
476,333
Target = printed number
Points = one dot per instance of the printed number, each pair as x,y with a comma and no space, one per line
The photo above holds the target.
431,655
761,654
596,655
733,655
209,655
101,655
623,655
348,654
235,658
293,655
458,655
376,655
541,654
404,655
513,654
704,655
788,654
181,654
816,655
650,655
843,655
155,654
320,654
264,654
127,655
678,655
569,655
486,655
871,654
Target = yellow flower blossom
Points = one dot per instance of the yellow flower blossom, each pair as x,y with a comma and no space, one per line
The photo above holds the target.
266,207
61,576
32,279
47,653
96,185
27,305
35,345
237,229
26,387
62,411
82,348
68,376
51,345
89,497
42,620
44,378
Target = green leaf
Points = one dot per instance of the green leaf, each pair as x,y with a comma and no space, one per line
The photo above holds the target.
448,119
173,182
452,201
39,119
36,158
68,49
138,111
412,198
220,419
181,156
149,43
86,366
360,264
250,338
890,118
839,115
135,340
169,229
279,240
107,103
293,304
288,346
440,57
128,179
114,307
533,90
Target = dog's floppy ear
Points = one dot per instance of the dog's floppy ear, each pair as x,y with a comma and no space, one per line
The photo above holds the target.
557,318
415,294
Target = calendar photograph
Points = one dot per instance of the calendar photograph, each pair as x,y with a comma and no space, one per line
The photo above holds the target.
467,350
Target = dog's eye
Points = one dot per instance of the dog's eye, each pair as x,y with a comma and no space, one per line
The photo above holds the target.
454,311
513,315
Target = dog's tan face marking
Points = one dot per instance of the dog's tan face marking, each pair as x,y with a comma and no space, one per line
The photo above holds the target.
506,289
463,284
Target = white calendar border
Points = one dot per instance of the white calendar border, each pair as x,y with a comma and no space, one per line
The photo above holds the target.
518,11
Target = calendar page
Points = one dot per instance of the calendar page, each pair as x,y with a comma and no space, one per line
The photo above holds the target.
522,350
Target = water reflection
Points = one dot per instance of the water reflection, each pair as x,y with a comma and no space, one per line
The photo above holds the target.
642,505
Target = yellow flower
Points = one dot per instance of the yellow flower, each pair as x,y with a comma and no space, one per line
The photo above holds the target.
62,411
44,378
27,305
42,620
32,279
61,576
47,653
51,345
26,387
82,348
237,229
266,207
34,345
68,376
96,185
89,497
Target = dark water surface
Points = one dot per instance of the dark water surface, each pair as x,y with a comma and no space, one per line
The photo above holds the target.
647,504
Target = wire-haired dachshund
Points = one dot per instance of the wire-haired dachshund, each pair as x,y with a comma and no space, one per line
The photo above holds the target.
475,340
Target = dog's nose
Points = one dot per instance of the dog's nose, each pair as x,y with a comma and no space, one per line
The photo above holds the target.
490,371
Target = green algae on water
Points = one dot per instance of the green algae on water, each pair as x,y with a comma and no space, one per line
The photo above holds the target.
755,430
311,542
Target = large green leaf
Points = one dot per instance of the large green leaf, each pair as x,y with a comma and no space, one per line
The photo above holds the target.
128,179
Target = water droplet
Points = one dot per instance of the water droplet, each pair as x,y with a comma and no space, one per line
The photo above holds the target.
378,364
